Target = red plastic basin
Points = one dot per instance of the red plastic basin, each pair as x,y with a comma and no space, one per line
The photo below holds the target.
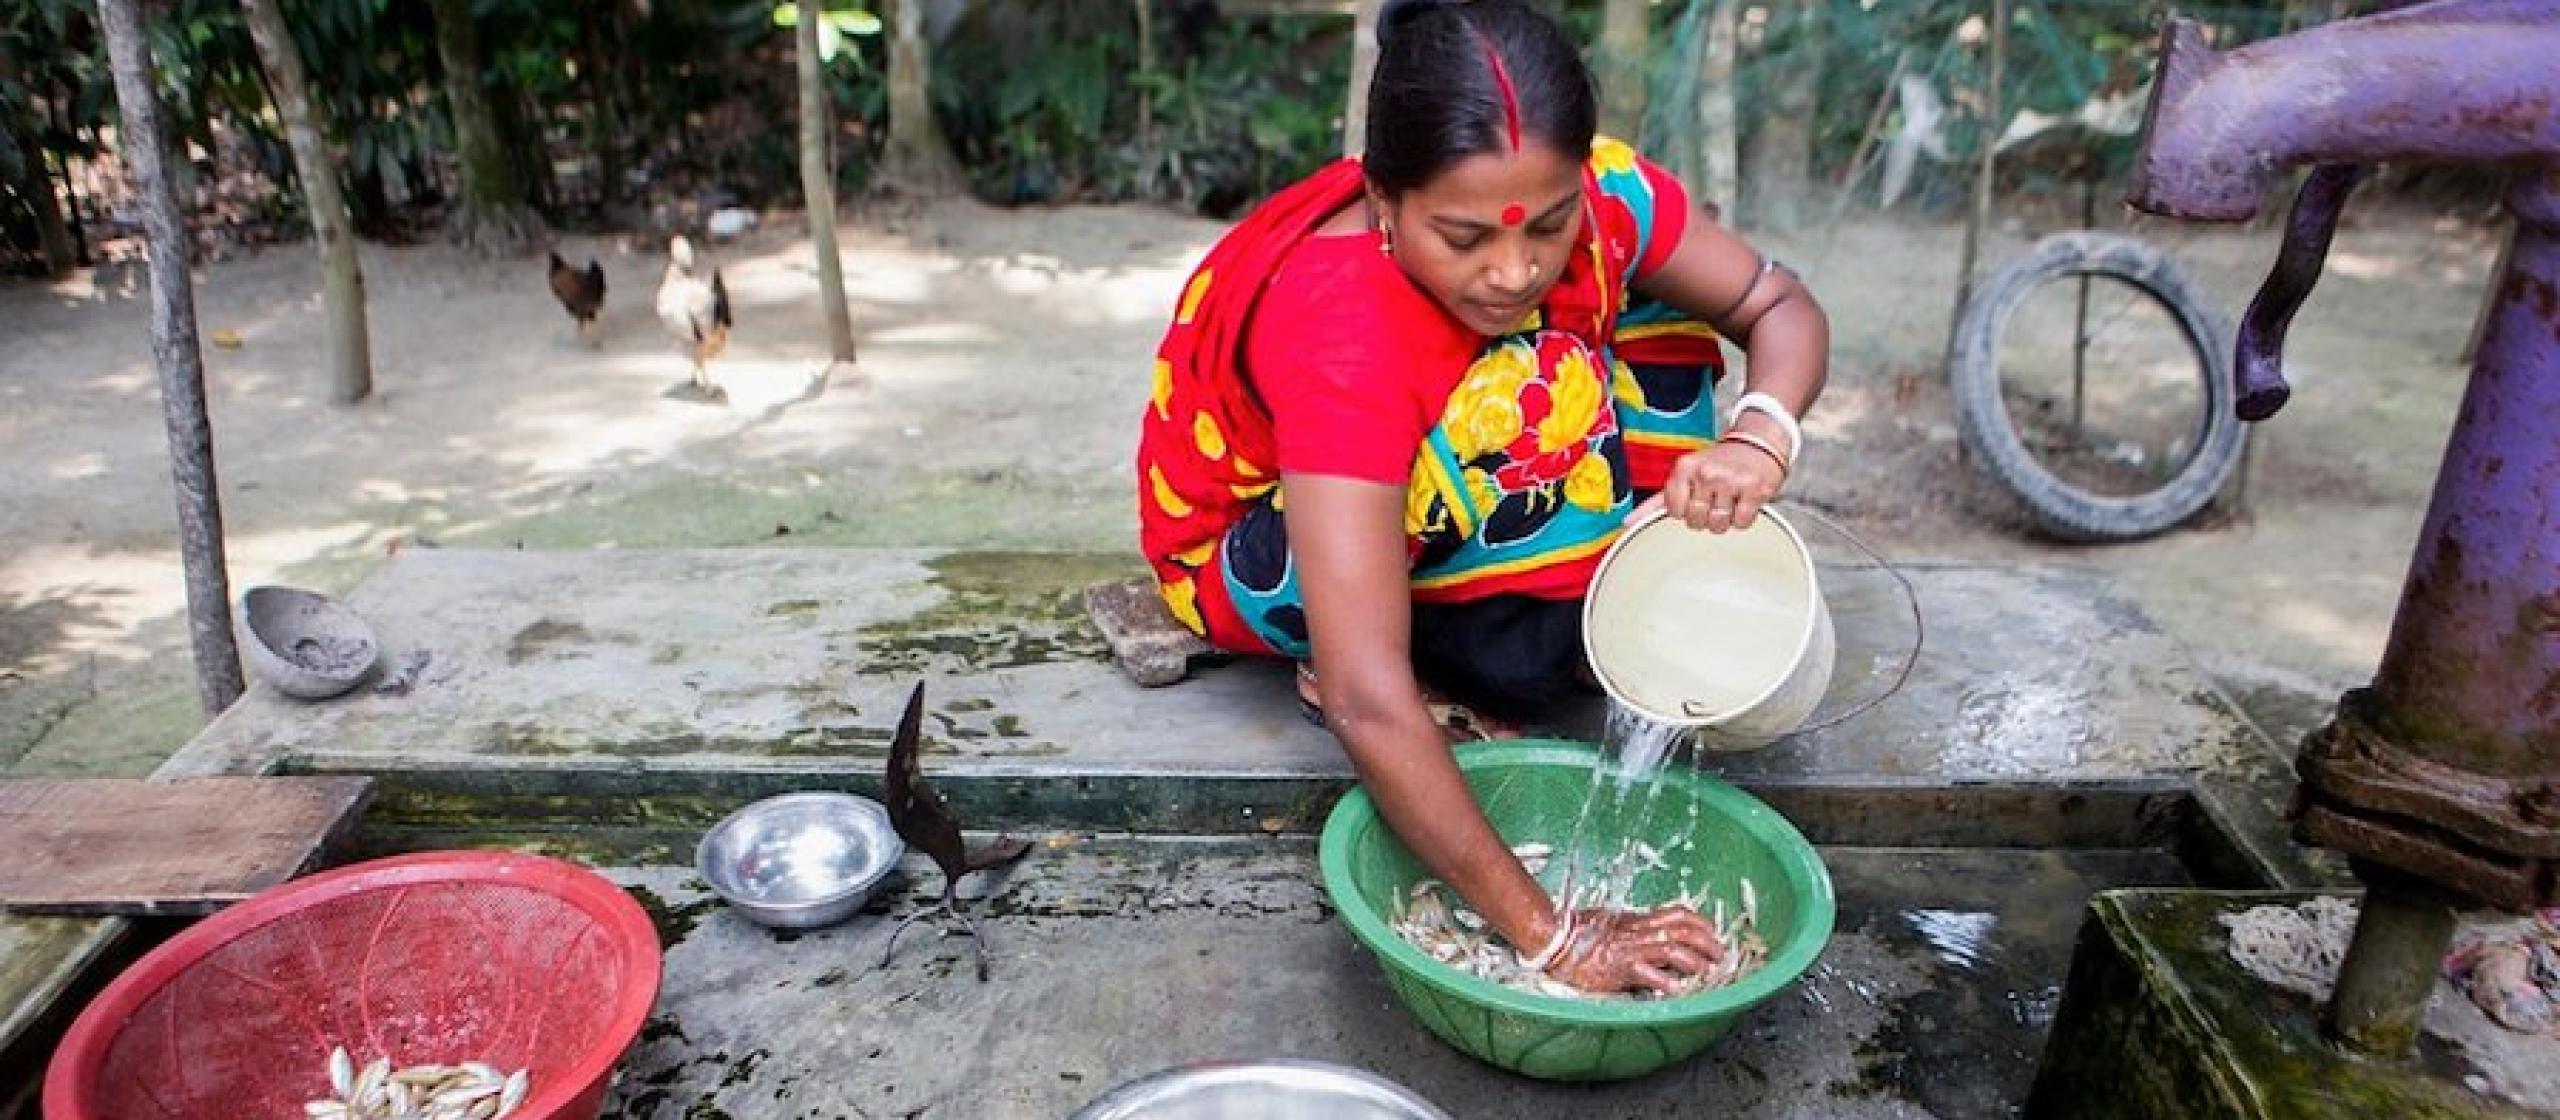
519,961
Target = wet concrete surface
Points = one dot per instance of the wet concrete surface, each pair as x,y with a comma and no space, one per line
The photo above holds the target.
746,658
650,688
1115,958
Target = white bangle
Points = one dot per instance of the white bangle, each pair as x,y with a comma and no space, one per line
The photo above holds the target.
1768,406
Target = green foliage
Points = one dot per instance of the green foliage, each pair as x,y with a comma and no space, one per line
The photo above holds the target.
2061,54
55,96
54,84
1260,108
369,98
1055,103
833,29
1056,100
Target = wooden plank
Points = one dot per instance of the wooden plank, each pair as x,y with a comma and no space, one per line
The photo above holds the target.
122,846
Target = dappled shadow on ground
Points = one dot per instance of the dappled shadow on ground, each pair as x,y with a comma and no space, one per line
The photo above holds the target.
1004,358
32,628
1003,355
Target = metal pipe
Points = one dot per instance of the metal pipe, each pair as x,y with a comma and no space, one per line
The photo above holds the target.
2473,665
2442,780
2467,81
2402,930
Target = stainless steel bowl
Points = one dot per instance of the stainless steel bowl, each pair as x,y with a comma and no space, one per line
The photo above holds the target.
1293,1090
800,860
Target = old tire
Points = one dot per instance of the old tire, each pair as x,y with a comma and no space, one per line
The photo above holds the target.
2059,507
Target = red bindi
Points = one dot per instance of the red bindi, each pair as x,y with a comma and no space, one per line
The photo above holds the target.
1514,214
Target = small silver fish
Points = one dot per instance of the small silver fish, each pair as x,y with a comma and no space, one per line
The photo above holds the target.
512,1094
342,1073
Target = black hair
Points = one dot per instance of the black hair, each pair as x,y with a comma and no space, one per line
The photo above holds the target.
1437,96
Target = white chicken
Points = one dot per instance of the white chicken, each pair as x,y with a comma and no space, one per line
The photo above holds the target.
696,313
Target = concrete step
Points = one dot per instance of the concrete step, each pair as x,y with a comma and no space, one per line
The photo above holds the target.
768,661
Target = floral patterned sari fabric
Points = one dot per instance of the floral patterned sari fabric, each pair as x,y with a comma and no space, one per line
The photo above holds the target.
1538,453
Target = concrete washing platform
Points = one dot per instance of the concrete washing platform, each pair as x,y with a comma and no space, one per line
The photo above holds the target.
746,660
2159,1021
608,705
1117,957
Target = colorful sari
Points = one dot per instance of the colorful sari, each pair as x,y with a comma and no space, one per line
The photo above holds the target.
1539,452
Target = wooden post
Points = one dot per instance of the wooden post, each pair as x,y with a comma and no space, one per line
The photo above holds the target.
605,122
181,360
1364,62
818,181
1857,169
1781,160
1991,122
917,160
332,228
1625,29
1719,155
2080,317
492,218
1146,77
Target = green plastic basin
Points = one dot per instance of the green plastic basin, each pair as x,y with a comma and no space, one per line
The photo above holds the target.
1532,791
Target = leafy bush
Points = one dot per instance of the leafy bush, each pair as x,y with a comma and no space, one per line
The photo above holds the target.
1052,103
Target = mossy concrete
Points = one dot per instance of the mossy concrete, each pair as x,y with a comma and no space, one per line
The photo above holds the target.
743,506
571,697
48,967
139,716
2158,1023
753,659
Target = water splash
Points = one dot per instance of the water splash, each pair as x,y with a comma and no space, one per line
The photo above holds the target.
1636,745
1960,937
1601,870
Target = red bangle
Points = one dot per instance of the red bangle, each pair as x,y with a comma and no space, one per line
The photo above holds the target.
1762,445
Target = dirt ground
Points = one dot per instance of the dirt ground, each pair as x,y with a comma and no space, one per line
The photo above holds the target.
1004,356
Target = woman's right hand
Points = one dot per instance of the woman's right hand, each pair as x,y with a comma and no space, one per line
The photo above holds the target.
1636,950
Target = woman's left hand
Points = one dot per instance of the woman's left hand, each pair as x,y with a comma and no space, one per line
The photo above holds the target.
1718,487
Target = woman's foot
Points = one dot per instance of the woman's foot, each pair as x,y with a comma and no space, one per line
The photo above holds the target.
1461,723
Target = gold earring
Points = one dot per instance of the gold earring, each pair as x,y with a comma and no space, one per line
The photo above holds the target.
1386,240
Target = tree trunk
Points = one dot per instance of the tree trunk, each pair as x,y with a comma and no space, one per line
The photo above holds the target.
1146,78
35,184
181,360
527,151
1364,62
818,181
1994,118
332,226
916,161
605,117
491,218
1781,164
369,204
1625,34
72,222
1718,152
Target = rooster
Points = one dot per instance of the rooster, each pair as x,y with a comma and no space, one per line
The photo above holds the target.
581,294
696,313
925,822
